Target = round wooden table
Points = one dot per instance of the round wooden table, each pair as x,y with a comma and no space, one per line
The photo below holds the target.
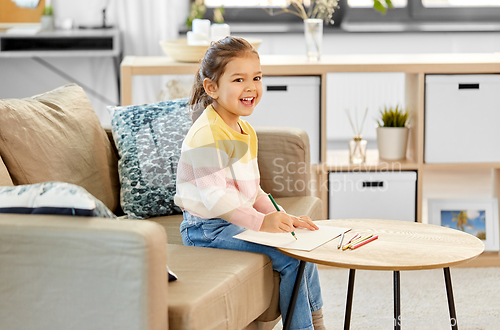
400,246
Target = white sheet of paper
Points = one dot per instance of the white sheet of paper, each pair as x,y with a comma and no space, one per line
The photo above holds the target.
307,240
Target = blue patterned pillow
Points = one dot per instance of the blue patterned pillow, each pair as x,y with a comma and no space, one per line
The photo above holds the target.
52,198
149,139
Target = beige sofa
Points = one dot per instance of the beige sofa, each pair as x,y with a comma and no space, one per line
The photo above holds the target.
61,272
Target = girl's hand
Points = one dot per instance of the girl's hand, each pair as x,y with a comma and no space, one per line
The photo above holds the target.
277,222
304,222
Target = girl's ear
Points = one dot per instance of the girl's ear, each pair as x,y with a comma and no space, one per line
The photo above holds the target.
210,88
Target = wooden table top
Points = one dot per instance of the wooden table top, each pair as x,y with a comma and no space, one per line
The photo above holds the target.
401,245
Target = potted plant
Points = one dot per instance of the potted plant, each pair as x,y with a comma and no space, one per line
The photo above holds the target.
392,133
47,19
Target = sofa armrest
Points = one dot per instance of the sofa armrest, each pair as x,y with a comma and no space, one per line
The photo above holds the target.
62,272
284,161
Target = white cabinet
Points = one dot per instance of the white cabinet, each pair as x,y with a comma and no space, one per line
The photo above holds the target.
372,195
462,114
291,102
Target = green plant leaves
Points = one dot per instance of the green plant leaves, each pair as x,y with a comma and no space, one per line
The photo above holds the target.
393,117
378,6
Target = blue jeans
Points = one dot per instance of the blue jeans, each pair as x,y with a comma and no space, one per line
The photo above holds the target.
218,233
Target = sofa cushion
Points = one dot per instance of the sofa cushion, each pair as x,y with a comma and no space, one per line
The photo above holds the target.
52,198
304,205
57,136
217,289
284,161
5,179
149,139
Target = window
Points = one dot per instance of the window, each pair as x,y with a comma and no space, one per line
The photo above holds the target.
369,3
247,3
460,3
453,10
264,11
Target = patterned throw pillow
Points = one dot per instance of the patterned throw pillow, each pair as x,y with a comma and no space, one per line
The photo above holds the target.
149,139
52,198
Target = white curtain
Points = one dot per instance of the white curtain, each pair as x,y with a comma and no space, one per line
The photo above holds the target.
143,24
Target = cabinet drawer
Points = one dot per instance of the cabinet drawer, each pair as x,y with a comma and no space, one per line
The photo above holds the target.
372,195
291,102
462,114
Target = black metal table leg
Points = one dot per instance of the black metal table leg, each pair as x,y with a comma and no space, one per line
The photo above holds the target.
295,293
348,306
451,301
397,301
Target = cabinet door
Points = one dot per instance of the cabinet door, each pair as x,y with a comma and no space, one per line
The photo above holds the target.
372,195
462,113
291,102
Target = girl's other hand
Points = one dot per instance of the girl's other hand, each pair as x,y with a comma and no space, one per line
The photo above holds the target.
304,222
277,222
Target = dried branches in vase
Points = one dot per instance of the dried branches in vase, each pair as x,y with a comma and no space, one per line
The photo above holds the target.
320,9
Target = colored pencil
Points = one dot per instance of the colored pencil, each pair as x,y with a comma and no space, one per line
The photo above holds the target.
341,240
357,241
364,242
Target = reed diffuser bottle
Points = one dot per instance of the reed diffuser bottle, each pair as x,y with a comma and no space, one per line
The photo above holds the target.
357,146
357,150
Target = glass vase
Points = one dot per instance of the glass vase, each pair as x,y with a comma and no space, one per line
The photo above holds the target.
313,31
357,150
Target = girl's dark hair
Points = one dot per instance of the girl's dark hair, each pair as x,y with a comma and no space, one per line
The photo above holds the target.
212,67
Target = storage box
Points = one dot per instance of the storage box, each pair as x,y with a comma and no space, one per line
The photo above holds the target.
291,102
372,195
462,114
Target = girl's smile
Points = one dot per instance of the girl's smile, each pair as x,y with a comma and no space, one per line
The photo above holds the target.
248,101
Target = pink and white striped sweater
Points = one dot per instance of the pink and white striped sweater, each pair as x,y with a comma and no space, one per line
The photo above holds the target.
218,175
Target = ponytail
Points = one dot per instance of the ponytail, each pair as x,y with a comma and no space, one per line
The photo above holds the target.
199,98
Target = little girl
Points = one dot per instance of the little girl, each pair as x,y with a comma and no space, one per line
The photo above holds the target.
218,181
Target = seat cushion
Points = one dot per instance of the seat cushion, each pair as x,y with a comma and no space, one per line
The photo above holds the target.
217,289
56,136
171,224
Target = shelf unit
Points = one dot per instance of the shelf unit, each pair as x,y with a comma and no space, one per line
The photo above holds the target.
414,67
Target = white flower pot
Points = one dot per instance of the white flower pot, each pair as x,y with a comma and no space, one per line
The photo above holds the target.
47,22
392,142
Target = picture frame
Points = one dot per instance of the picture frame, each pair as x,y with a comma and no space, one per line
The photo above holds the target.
478,217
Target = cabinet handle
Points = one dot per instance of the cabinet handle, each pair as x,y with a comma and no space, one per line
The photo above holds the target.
373,184
282,88
468,86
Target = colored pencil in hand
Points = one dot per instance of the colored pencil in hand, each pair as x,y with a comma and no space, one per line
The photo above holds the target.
278,209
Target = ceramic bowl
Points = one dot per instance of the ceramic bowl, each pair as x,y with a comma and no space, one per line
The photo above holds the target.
180,51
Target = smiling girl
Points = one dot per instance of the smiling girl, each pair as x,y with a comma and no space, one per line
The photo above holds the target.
218,180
